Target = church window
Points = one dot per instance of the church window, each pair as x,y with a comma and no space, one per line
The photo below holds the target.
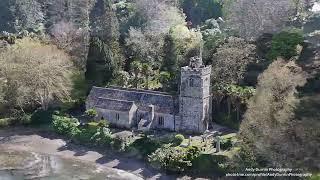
117,116
161,121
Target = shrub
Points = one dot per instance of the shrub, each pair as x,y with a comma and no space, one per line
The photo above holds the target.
5,122
65,126
25,119
244,158
119,144
102,137
42,117
174,159
285,44
146,145
86,133
208,164
226,144
228,120
91,113
178,139
103,123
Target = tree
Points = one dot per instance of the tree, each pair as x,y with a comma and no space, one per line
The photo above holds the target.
101,67
166,81
251,18
285,44
170,60
231,60
104,25
271,127
187,43
35,74
6,17
159,16
146,40
213,37
122,79
136,67
70,16
143,47
69,38
199,11
28,16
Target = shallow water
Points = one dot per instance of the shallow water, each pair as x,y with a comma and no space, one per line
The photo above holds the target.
25,165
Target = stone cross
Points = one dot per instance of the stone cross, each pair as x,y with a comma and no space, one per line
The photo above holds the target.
218,144
189,142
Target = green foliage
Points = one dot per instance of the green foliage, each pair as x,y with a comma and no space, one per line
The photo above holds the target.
91,113
170,60
146,145
86,132
65,126
6,16
80,88
285,44
244,158
25,119
315,176
208,163
228,120
17,118
101,65
226,144
169,81
242,93
103,123
178,139
6,122
93,133
42,117
102,137
118,144
174,159
198,11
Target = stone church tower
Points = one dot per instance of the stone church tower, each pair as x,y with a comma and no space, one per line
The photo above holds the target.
194,99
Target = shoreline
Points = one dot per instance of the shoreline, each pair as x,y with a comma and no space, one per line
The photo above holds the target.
46,142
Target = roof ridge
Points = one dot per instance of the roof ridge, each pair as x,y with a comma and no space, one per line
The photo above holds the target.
136,91
119,100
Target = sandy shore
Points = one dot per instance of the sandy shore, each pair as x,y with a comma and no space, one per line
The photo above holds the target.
42,141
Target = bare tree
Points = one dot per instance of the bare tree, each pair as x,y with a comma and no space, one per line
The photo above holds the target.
69,38
158,17
252,18
38,73
271,127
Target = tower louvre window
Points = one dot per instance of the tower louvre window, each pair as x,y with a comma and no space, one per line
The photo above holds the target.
117,116
161,121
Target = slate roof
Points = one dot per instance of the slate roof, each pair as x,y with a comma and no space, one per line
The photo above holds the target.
162,102
113,104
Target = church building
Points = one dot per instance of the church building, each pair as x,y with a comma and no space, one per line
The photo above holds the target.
145,110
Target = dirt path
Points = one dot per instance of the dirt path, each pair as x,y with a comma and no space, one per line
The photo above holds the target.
41,141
